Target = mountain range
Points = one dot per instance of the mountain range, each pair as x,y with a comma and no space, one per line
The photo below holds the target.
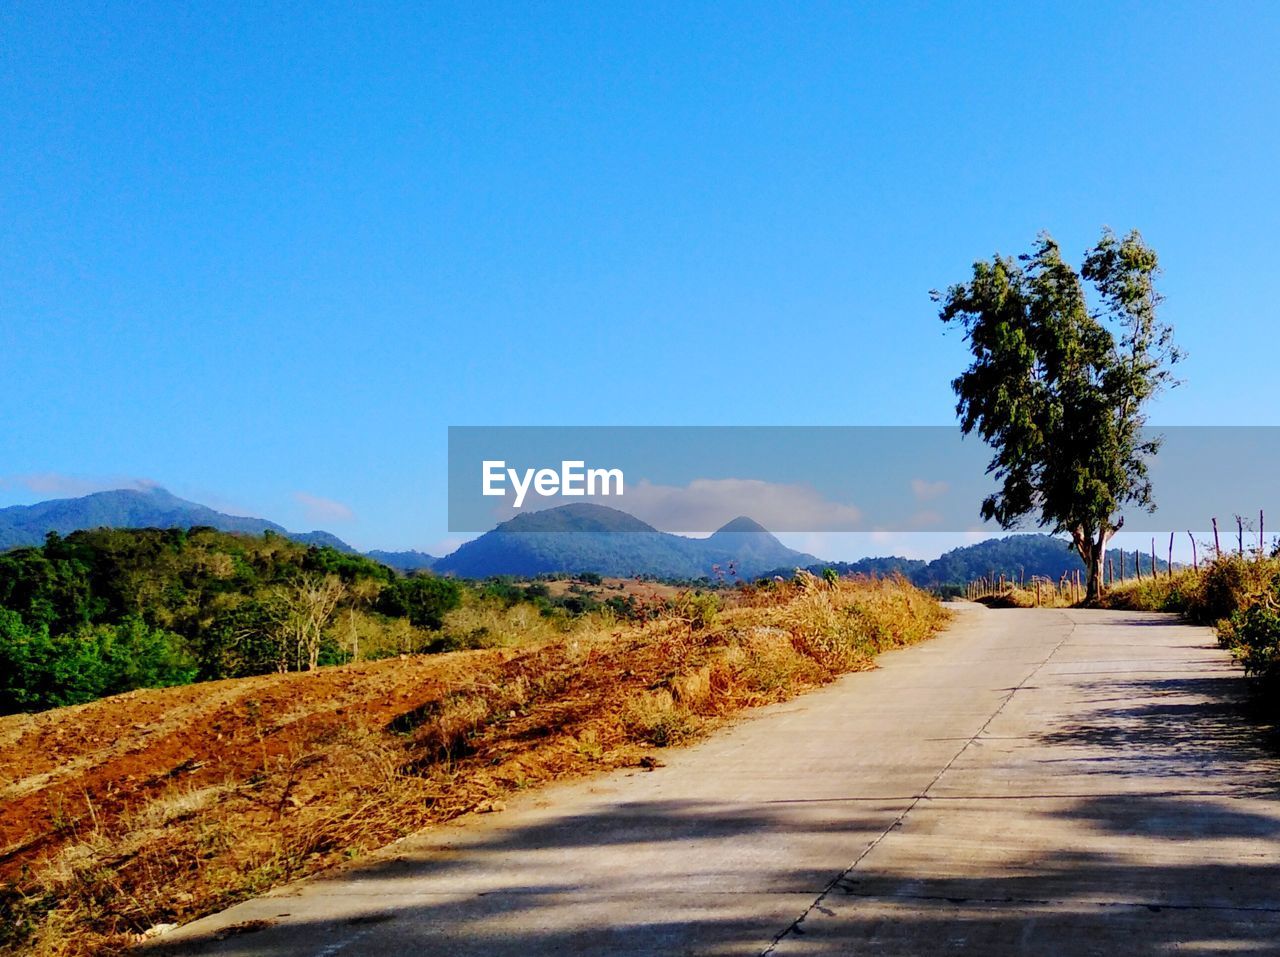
152,507
572,538
586,537
1015,556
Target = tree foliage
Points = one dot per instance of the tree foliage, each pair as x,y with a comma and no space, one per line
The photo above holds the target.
108,610
423,599
1059,383
103,611
40,670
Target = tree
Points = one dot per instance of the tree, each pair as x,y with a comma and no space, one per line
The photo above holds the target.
303,609
423,599
1058,386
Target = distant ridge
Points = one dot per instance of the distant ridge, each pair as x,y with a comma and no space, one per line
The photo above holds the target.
406,561
134,508
1015,556
593,538
572,538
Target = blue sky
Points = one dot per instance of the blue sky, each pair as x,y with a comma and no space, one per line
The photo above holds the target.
265,256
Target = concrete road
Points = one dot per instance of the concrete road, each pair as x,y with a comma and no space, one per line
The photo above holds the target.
1031,782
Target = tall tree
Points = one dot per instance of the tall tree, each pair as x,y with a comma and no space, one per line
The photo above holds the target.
1059,384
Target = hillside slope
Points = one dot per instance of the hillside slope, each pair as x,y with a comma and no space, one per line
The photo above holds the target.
1014,556
585,537
134,508
404,561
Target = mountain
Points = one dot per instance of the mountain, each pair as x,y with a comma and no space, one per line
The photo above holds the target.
572,538
134,508
409,561
751,546
1015,556
889,565
321,538
585,537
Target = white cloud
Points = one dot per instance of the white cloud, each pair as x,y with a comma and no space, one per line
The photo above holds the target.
446,546
318,509
927,491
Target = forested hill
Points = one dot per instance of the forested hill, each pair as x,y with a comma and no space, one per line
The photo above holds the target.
592,538
1016,556
152,507
406,561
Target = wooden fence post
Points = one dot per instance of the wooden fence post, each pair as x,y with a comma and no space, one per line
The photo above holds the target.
1171,554
1217,545
1195,564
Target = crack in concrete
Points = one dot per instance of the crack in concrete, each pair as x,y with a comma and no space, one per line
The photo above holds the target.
796,926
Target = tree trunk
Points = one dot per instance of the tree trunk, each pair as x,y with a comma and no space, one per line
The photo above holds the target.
1092,551
1094,584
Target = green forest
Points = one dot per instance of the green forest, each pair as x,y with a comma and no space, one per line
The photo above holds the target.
100,612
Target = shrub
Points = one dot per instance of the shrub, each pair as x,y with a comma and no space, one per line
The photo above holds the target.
700,609
1179,593
40,671
1254,635
1228,584
423,599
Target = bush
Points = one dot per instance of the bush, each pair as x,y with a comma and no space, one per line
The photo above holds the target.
39,671
1177,593
423,599
1254,635
1228,584
700,609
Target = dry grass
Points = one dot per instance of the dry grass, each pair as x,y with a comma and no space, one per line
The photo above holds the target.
1014,596
1208,596
1163,593
261,801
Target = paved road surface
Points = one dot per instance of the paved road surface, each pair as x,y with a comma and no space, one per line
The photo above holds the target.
1031,782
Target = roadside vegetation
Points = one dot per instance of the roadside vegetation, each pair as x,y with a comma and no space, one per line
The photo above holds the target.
1012,595
158,806
1238,595
110,610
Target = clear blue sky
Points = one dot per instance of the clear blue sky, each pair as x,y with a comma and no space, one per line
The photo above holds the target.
263,253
